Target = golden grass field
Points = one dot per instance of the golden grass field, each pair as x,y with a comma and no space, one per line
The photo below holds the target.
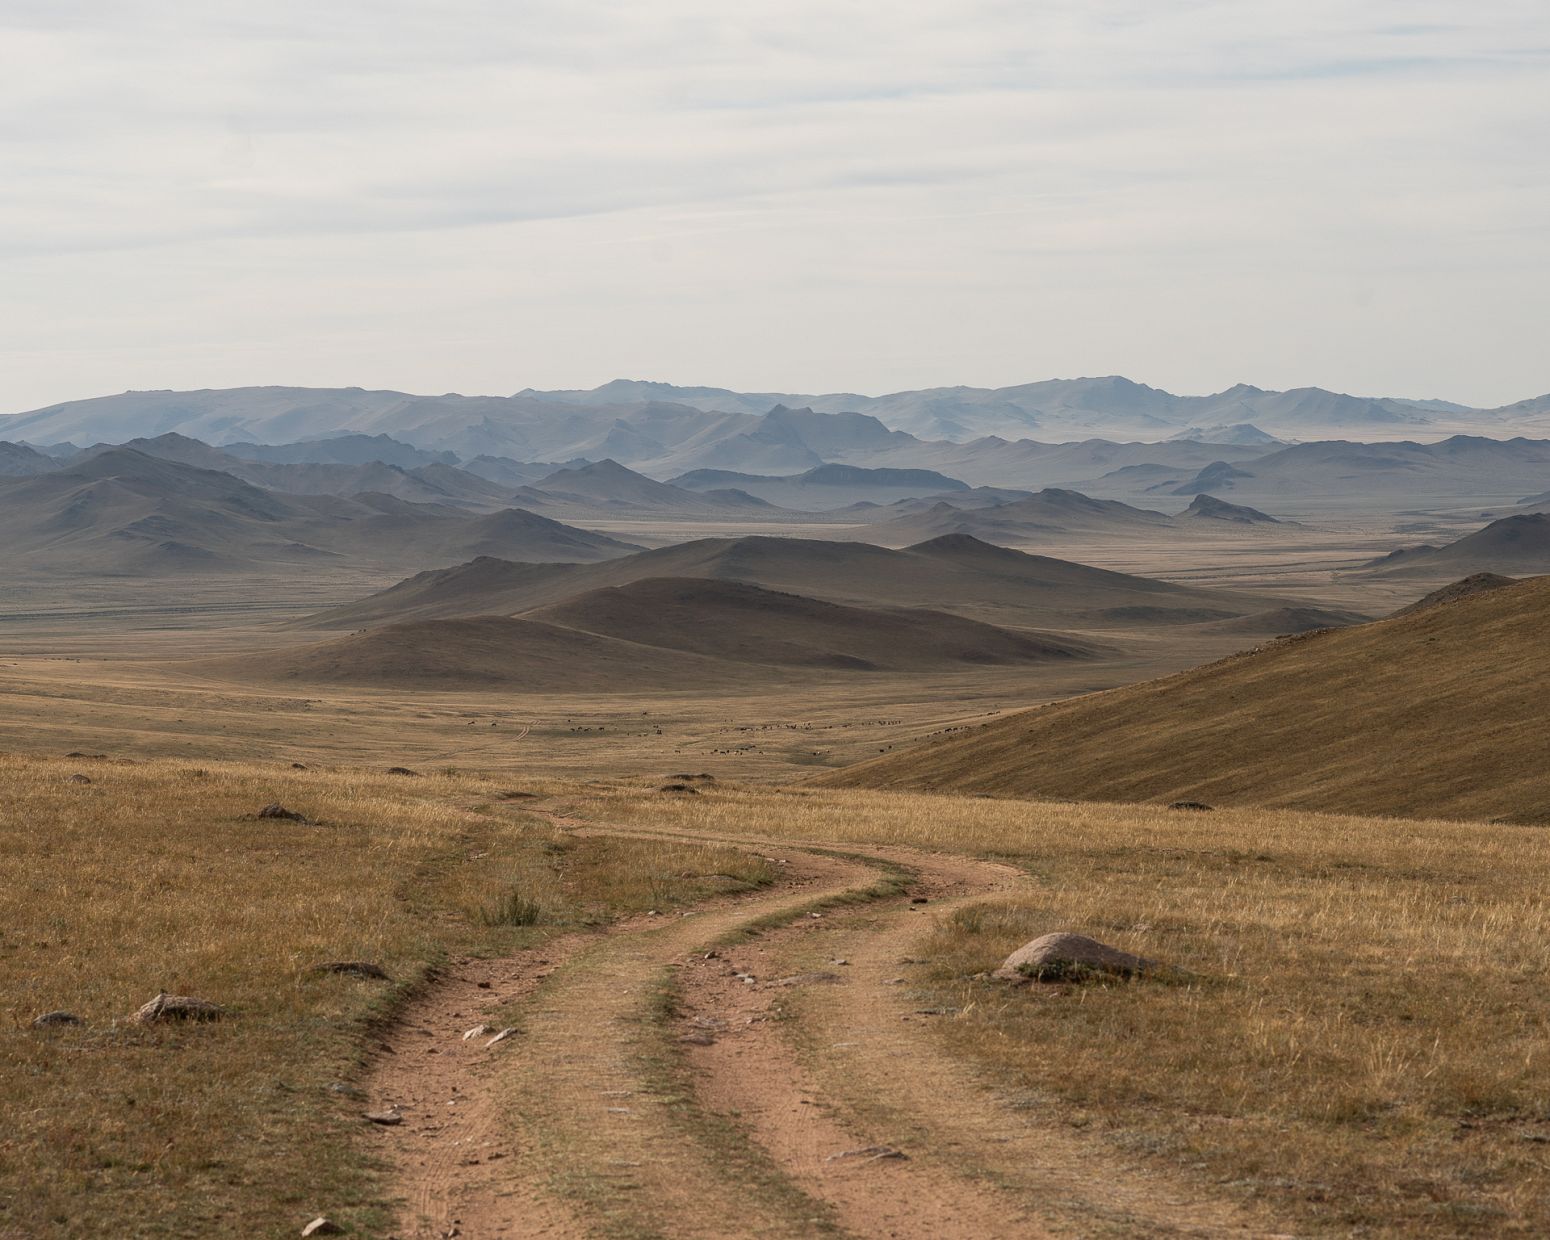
1361,1049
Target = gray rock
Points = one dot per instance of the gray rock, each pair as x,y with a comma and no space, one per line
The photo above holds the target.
389,1118
279,811
78,779
165,1007
353,968
53,1020
1065,957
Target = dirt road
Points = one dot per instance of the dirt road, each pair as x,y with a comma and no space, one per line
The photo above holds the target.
758,1066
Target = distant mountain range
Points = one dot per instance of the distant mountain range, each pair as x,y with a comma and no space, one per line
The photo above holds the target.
665,430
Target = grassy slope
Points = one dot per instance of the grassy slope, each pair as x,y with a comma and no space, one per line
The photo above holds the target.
1434,714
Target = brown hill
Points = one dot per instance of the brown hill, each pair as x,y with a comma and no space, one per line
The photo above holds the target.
1281,621
747,624
958,574
1465,587
480,652
1518,545
656,634
1438,713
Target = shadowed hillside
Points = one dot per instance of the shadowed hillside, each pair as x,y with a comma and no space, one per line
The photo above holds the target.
957,573
746,624
1437,713
1518,545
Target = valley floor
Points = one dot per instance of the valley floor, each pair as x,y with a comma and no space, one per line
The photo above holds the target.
741,1005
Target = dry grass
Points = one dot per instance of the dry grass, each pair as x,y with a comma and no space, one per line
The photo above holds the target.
1365,1049
1435,714
157,876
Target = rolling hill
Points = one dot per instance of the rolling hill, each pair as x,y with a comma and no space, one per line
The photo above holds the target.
826,488
17,460
1463,467
434,482
1050,511
123,512
607,488
958,574
485,652
1514,546
749,624
659,634
1437,713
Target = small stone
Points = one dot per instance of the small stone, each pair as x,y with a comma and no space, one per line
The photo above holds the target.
505,1033
346,1091
165,1007
298,766
276,810
477,1031
919,900
321,1226
389,1118
78,779
1196,806
402,770
53,1020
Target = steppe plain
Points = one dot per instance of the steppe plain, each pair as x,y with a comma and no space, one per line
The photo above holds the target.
744,1000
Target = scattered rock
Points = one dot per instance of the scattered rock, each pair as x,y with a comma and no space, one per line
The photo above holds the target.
321,1226
276,810
505,1033
1198,806
868,1153
402,770
354,968
1068,957
165,1007
389,1118
78,779
53,1020
804,979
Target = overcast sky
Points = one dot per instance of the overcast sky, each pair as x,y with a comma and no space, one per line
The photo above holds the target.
809,195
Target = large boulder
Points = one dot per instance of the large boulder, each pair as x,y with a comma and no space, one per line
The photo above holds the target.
1065,957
